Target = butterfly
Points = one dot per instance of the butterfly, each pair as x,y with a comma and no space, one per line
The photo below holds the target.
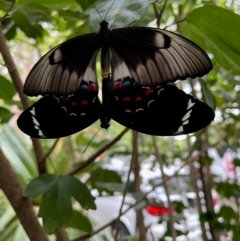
139,66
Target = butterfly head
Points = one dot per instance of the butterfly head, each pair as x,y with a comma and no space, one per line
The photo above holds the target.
104,25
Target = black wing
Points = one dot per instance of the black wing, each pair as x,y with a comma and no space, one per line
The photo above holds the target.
165,111
62,70
57,116
154,57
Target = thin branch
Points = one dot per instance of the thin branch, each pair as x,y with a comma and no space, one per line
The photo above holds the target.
62,235
21,204
170,214
156,13
183,16
50,150
127,185
7,13
8,27
12,69
161,12
100,151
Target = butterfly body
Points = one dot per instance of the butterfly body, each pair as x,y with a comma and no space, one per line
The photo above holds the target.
138,66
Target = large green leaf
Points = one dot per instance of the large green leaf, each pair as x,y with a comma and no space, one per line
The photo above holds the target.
56,208
215,29
18,154
79,221
7,89
5,115
120,14
208,97
85,4
28,16
53,4
100,176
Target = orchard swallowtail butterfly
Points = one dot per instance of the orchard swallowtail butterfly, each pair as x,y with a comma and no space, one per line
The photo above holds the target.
137,92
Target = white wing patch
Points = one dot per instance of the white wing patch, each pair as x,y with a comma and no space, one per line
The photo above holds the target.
57,55
32,111
36,123
120,69
190,104
159,40
186,117
180,130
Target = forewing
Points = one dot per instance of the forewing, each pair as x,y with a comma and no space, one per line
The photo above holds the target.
156,57
164,111
62,70
58,116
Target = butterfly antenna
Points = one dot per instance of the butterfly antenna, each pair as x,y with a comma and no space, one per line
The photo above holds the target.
91,140
109,9
96,9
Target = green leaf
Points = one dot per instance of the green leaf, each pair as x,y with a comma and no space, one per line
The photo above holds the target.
5,115
120,14
36,12
53,4
85,4
18,154
100,175
56,208
228,213
79,221
69,16
236,162
79,191
110,186
227,189
40,185
208,97
7,90
217,33
27,18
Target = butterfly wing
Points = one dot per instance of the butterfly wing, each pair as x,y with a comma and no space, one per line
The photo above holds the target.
155,57
165,111
57,116
62,70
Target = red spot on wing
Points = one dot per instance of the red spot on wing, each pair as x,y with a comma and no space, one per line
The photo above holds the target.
74,103
126,99
148,91
138,98
93,87
84,102
117,85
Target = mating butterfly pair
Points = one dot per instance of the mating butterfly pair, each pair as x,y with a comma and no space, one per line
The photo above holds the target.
138,93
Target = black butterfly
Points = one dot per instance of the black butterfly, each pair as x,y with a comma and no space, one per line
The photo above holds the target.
137,94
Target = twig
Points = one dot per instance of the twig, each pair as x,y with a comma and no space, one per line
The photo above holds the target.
127,184
7,13
100,151
170,214
161,12
50,150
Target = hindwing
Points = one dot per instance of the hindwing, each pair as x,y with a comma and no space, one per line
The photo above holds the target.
59,116
164,111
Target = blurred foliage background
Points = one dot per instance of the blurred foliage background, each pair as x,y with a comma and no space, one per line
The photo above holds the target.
31,28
